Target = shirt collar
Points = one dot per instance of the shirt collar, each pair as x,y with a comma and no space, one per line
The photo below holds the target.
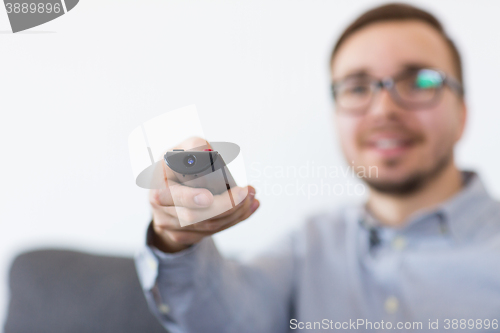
459,214
463,211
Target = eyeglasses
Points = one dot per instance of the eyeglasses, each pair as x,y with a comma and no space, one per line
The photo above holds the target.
411,89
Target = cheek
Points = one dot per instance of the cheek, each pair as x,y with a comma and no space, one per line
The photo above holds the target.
347,128
439,128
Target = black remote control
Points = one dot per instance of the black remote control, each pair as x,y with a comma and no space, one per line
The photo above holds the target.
200,169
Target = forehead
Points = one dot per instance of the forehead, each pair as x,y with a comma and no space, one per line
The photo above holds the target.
383,48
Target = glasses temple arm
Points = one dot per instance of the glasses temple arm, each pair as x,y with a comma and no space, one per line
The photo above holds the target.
454,84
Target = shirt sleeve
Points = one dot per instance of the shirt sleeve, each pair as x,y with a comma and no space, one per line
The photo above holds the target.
198,290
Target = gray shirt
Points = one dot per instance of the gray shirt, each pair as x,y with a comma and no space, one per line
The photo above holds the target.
342,270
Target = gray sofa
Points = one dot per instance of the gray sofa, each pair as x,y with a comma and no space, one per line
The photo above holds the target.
56,291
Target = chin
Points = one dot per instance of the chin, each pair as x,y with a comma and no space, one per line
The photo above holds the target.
402,175
387,169
393,177
397,186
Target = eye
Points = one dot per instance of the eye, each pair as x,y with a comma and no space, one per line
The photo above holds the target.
427,79
357,88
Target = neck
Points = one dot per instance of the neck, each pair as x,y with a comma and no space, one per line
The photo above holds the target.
394,210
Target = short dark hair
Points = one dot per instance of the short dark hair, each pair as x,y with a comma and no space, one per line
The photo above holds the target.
401,12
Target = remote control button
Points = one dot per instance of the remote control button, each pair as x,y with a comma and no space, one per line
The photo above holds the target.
208,149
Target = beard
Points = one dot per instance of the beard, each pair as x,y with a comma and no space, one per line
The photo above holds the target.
413,182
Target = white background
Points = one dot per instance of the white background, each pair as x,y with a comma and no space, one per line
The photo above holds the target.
73,89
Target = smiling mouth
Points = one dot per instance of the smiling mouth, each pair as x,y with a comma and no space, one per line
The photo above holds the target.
388,147
388,144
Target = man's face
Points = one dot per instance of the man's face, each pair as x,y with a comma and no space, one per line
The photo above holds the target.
406,147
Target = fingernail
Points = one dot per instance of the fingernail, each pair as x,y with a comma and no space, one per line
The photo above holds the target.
254,206
201,200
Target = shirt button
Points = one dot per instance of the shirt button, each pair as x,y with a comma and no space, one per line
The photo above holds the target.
391,305
164,308
399,243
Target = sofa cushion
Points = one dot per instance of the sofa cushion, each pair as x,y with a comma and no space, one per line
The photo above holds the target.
67,291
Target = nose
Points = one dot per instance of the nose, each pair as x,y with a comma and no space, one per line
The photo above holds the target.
383,105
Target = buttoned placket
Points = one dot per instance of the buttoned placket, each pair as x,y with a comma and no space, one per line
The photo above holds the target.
386,246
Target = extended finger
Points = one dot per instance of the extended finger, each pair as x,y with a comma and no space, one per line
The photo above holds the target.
216,225
240,195
221,206
183,196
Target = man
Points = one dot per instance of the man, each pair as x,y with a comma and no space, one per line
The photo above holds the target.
422,253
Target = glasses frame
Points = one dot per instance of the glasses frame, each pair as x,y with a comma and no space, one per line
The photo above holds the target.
389,83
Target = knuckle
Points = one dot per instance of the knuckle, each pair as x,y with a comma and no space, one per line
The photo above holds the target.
188,215
180,195
160,220
154,198
194,142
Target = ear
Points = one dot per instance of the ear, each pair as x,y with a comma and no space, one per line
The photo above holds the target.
462,118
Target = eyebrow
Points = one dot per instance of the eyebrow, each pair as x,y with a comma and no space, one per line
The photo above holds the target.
363,72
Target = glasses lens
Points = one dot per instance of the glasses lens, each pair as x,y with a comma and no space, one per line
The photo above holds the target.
353,93
419,88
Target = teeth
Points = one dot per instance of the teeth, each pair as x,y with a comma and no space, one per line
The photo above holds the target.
388,143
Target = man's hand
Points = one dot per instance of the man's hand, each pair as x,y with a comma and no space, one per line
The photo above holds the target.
194,203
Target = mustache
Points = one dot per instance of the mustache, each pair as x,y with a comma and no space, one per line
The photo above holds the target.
406,133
